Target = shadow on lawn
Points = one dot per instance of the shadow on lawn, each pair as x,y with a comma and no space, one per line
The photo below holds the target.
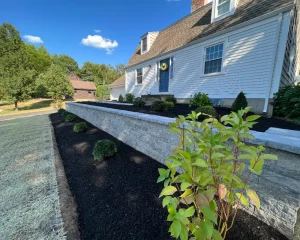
37,105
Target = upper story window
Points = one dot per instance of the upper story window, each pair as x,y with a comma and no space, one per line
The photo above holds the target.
213,59
223,7
139,76
145,44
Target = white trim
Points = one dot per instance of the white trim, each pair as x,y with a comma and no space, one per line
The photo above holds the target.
148,43
118,86
216,17
255,22
276,44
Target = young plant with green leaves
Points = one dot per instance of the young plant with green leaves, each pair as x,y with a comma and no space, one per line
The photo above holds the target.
206,180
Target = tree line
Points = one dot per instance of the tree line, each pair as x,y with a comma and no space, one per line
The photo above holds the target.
27,71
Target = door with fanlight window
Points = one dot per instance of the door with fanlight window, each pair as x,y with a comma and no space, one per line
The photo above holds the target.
164,75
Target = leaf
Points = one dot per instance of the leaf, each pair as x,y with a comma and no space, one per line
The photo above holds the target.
190,212
254,198
200,163
256,167
201,200
175,228
210,193
160,179
216,235
164,172
252,118
222,191
184,235
245,156
166,201
206,229
168,191
187,200
186,193
166,182
217,155
243,199
213,205
209,214
269,157
184,154
184,186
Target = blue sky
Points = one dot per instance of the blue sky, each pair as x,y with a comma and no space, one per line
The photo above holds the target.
67,27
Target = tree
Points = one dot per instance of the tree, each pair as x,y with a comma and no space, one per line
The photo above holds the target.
102,92
38,58
55,84
67,63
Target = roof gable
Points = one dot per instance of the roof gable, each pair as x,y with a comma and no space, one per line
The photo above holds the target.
198,25
77,83
119,82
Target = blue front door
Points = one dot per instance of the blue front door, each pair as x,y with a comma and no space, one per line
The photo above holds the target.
164,76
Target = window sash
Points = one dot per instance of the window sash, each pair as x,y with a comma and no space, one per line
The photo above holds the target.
144,44
139,76
223,7
213,59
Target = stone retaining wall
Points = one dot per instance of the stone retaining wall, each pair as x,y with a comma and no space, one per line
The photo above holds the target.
278,186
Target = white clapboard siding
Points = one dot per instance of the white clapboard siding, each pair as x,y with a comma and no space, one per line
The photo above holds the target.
248,66
115,92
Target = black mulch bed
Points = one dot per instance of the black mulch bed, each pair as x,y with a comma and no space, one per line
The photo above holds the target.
264,123
118,198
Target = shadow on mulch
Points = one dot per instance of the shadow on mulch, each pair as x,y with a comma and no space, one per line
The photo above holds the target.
262,125
118,198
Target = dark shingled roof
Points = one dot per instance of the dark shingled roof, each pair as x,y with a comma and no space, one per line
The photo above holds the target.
198,25
119,81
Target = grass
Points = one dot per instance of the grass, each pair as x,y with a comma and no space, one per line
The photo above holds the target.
34,105
29,196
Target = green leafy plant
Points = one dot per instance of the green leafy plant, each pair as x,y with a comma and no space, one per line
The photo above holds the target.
104,148
138,102
171,99
70,117
61,111
208,110
121,99
80,127
287,102
161,106
129,97
239,103
200,100
212,183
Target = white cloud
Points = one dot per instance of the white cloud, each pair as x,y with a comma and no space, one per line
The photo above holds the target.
98,41
33,39
97,31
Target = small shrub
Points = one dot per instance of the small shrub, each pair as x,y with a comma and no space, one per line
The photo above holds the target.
209,110
61,111
104,148
64,113
129,97
239,103
80,127
121,99
161,106
138,102
171,99
203,199
287,102
70,117
200,100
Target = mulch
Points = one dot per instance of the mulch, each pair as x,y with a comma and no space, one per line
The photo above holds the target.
118,198
263,123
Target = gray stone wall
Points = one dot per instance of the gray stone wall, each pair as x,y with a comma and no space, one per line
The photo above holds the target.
278,186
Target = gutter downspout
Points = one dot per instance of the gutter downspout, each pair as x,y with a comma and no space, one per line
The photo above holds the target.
269,88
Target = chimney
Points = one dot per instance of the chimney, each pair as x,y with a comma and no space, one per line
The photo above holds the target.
196,4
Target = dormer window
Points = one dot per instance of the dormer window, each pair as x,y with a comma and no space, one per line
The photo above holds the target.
144,44
222,9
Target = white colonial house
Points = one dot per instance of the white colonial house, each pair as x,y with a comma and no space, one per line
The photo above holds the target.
222,48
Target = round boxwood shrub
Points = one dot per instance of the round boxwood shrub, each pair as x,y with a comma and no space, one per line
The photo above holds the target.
121,99
161,106
239,103
138,102
171,99
104,148
200,100
61,111
70,117
129,97
80,127
209,110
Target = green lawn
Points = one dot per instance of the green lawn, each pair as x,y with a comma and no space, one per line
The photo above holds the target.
29,202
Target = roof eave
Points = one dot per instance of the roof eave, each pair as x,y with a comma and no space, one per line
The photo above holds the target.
116,86
238,26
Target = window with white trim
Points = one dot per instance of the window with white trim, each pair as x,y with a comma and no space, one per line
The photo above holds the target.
223,7
139,76
213,59
144,44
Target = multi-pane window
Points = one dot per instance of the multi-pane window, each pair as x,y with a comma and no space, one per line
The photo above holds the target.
213,59
144,44
139,76
223,6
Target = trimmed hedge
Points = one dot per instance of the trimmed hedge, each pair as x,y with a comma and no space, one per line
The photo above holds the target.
239,103
171,99
200,100
161,106
70,117
129,97
138,102
121,99
104,148
80,127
